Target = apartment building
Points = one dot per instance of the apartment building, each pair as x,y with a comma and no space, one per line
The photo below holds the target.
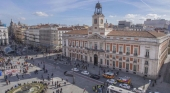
4,40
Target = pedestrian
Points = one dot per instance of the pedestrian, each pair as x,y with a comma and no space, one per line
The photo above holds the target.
61,90
55,84
9,81
52,83
84,90
155,81
62,79
22,76
30,74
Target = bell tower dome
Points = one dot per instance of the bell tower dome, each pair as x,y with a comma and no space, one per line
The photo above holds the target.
98,17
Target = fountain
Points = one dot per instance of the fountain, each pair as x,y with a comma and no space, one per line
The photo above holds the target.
28,88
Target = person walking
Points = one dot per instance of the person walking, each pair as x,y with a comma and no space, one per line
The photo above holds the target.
55,84
84,90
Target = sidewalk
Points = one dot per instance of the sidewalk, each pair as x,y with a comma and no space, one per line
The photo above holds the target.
160,85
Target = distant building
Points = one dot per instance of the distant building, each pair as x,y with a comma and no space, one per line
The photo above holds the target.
4,40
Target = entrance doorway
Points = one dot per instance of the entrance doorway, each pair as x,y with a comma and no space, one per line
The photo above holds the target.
95,59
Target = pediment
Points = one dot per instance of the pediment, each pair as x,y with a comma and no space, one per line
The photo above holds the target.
95,36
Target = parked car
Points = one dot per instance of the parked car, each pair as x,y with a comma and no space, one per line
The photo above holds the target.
75,69
68,73
126,86
85,72
112,81
95,76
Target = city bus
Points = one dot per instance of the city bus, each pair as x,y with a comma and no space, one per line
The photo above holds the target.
114,89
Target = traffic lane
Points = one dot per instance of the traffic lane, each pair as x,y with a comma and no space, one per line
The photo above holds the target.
69,67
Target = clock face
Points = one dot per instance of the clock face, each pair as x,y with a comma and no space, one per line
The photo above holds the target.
95,21
101,21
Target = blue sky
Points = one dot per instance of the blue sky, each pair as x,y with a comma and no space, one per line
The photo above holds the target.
72,12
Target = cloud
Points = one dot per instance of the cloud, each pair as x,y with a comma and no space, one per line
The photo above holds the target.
111,16
41,14
131,16
153,16
22,18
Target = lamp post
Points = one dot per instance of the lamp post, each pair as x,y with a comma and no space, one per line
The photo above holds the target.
73,75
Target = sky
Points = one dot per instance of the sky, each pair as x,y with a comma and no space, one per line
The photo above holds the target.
73,12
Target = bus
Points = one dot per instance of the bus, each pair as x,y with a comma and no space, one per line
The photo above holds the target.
114,89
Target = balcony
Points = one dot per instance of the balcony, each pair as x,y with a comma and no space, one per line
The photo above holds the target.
81,47
114,51
127,53
147,56
135,54
120,52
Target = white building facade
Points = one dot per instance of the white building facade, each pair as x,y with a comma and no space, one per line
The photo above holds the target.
4,40
138,52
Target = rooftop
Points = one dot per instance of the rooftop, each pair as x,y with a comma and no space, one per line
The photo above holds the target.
80,32
145,34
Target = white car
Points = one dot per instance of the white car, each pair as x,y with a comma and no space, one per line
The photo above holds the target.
112,81
85,72
75,69
126,86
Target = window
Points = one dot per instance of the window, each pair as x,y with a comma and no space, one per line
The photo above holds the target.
114,49
120,58
85,58
108,47
120,49
90,44
135,61
101,61
146,63
114,57
73,43
95,46
113,64
135,51
107,62
101,21
95,21
85,44
81,44
120,64
134,67
90,59
77,43
147,53
146,70
107,56
101,45
127,50
127,66
127,59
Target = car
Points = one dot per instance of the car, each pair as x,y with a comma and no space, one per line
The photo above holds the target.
68,73
108,75
94,76
112,81
126,86
75,69
85,72
137,90
124,80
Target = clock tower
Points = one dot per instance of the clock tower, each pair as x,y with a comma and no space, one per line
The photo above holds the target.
98,17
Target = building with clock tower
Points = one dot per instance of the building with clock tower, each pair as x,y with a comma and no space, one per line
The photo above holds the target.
137,52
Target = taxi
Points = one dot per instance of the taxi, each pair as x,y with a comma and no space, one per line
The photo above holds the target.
125,79
108,75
